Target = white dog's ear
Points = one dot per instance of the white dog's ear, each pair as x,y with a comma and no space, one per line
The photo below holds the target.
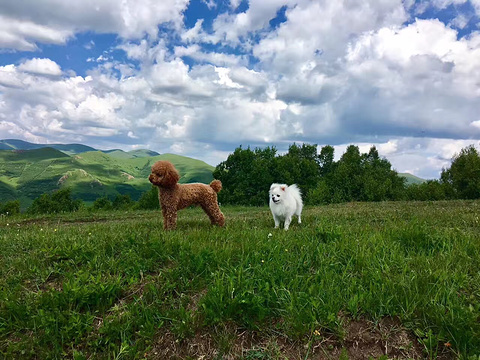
283,188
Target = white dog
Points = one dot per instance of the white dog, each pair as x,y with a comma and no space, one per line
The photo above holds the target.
285,201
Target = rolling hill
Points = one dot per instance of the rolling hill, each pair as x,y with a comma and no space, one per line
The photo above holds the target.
27,174
69,149
412,179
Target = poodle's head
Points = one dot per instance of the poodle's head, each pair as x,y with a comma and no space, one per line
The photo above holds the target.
164,174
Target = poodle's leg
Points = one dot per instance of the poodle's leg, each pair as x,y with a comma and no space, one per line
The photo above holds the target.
169,219
214,214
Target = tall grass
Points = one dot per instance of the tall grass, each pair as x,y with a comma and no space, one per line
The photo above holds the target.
105,285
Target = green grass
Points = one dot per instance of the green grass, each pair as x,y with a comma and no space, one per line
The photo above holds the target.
115,285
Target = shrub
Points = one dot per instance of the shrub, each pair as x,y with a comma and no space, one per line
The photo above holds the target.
10,208
122,202
57,202
149,200
102,203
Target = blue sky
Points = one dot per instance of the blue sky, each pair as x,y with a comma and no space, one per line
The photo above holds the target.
199,78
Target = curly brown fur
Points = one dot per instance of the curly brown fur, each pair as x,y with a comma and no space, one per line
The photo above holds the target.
174,196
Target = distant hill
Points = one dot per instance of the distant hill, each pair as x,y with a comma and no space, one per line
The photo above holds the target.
25,174
130,154
70,149
412,179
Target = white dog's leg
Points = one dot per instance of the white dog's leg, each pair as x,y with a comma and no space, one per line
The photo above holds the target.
299,218
277,221
288,220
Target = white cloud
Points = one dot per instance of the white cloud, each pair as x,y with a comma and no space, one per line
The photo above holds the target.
23,24
335,72
24,34
41,67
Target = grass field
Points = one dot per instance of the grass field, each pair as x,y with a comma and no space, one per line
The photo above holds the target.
353,281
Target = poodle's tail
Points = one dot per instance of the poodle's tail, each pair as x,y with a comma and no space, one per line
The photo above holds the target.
216,185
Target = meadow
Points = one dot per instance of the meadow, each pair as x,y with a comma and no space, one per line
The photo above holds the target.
353,281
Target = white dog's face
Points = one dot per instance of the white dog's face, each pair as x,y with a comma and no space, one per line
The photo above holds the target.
277,194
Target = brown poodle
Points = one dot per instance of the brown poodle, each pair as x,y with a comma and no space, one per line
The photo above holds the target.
174,196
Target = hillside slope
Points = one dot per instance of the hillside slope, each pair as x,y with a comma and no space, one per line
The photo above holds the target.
27,174
412,179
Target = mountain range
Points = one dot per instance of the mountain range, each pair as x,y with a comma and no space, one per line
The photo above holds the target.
29,170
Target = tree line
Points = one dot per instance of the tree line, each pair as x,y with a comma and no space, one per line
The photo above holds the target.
62,200
247,174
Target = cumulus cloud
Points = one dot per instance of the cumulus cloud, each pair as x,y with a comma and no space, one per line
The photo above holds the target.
23,24
41,67
332,72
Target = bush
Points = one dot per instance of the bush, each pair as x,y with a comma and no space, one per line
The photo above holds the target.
102,203
10,208
430,190
122,202
57,202
149,200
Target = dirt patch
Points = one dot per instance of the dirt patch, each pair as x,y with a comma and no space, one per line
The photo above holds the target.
362,339
365,340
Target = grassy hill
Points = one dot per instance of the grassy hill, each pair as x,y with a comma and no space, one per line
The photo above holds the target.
69,149
412,179
130,154
27,174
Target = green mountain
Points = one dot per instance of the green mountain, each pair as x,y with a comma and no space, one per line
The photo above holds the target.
117,153
27,174
70,149
412,179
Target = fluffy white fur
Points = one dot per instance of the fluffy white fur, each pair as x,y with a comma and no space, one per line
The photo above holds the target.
285,201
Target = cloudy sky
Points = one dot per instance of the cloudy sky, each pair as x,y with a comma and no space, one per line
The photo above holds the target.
201,77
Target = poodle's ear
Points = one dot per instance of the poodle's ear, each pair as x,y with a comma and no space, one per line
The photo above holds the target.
171,176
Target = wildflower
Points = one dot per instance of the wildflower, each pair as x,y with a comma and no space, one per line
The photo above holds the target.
447,344
270,235
286,250
263,261
316,332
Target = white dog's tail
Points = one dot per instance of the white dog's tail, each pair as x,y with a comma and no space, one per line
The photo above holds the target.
297,195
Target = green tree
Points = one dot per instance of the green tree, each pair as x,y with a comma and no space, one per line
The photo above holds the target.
149,200
301,166
326,160
102,203
380,182
10,208
347,179
430,190
463,176
57,202
122,202
246,176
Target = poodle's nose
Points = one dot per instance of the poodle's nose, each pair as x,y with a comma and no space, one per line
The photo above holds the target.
150,178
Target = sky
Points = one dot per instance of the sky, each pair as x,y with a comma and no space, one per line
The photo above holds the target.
200,78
